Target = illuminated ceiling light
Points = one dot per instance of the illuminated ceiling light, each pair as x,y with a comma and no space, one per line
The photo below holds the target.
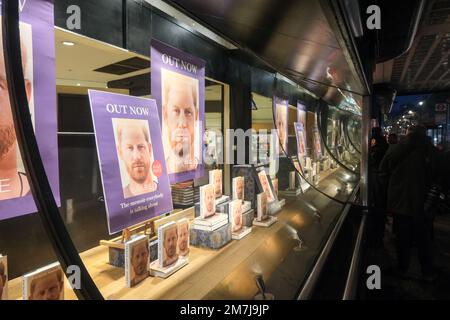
68,43
420,103
78,84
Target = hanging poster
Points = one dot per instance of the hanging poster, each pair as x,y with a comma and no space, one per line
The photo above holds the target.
317,144
280,107
178,85
133,168
301,140
38,62
301,114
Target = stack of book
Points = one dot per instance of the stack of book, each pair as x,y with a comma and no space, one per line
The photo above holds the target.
211,223
183,193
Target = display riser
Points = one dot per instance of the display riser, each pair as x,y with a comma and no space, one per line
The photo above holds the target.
211,239
291,193
247,218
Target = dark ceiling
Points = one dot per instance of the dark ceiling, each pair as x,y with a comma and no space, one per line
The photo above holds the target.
293,36
426,66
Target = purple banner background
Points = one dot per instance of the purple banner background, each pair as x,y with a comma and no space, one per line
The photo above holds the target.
39,14
301,113
157,50
277,100
120,218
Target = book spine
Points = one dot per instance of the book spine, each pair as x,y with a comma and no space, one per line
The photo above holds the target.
127,265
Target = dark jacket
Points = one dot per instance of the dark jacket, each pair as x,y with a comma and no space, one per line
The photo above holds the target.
377,151
408,169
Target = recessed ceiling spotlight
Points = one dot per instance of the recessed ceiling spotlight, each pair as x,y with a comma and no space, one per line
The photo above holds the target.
78,84
68,43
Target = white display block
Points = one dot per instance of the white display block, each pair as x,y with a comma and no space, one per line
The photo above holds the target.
211,221
241,234
157,271
209,228
308,163
305,186
292,180
265,223
274,207
282,202
291,193
222,199
246,206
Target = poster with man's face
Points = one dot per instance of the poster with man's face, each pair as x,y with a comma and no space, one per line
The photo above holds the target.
178,85
301,140
207,201
3,277
134,174
44,284
38,63
301,113
317,144
281,121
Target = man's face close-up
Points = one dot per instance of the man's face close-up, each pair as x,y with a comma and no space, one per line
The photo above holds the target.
7,132
139,258
47,288
180,116
183,237
281,124
170,242
135,152
209,200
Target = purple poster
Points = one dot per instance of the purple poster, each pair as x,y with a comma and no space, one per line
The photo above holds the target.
280,107
301,114
178,86
38,61
132,163
301,140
